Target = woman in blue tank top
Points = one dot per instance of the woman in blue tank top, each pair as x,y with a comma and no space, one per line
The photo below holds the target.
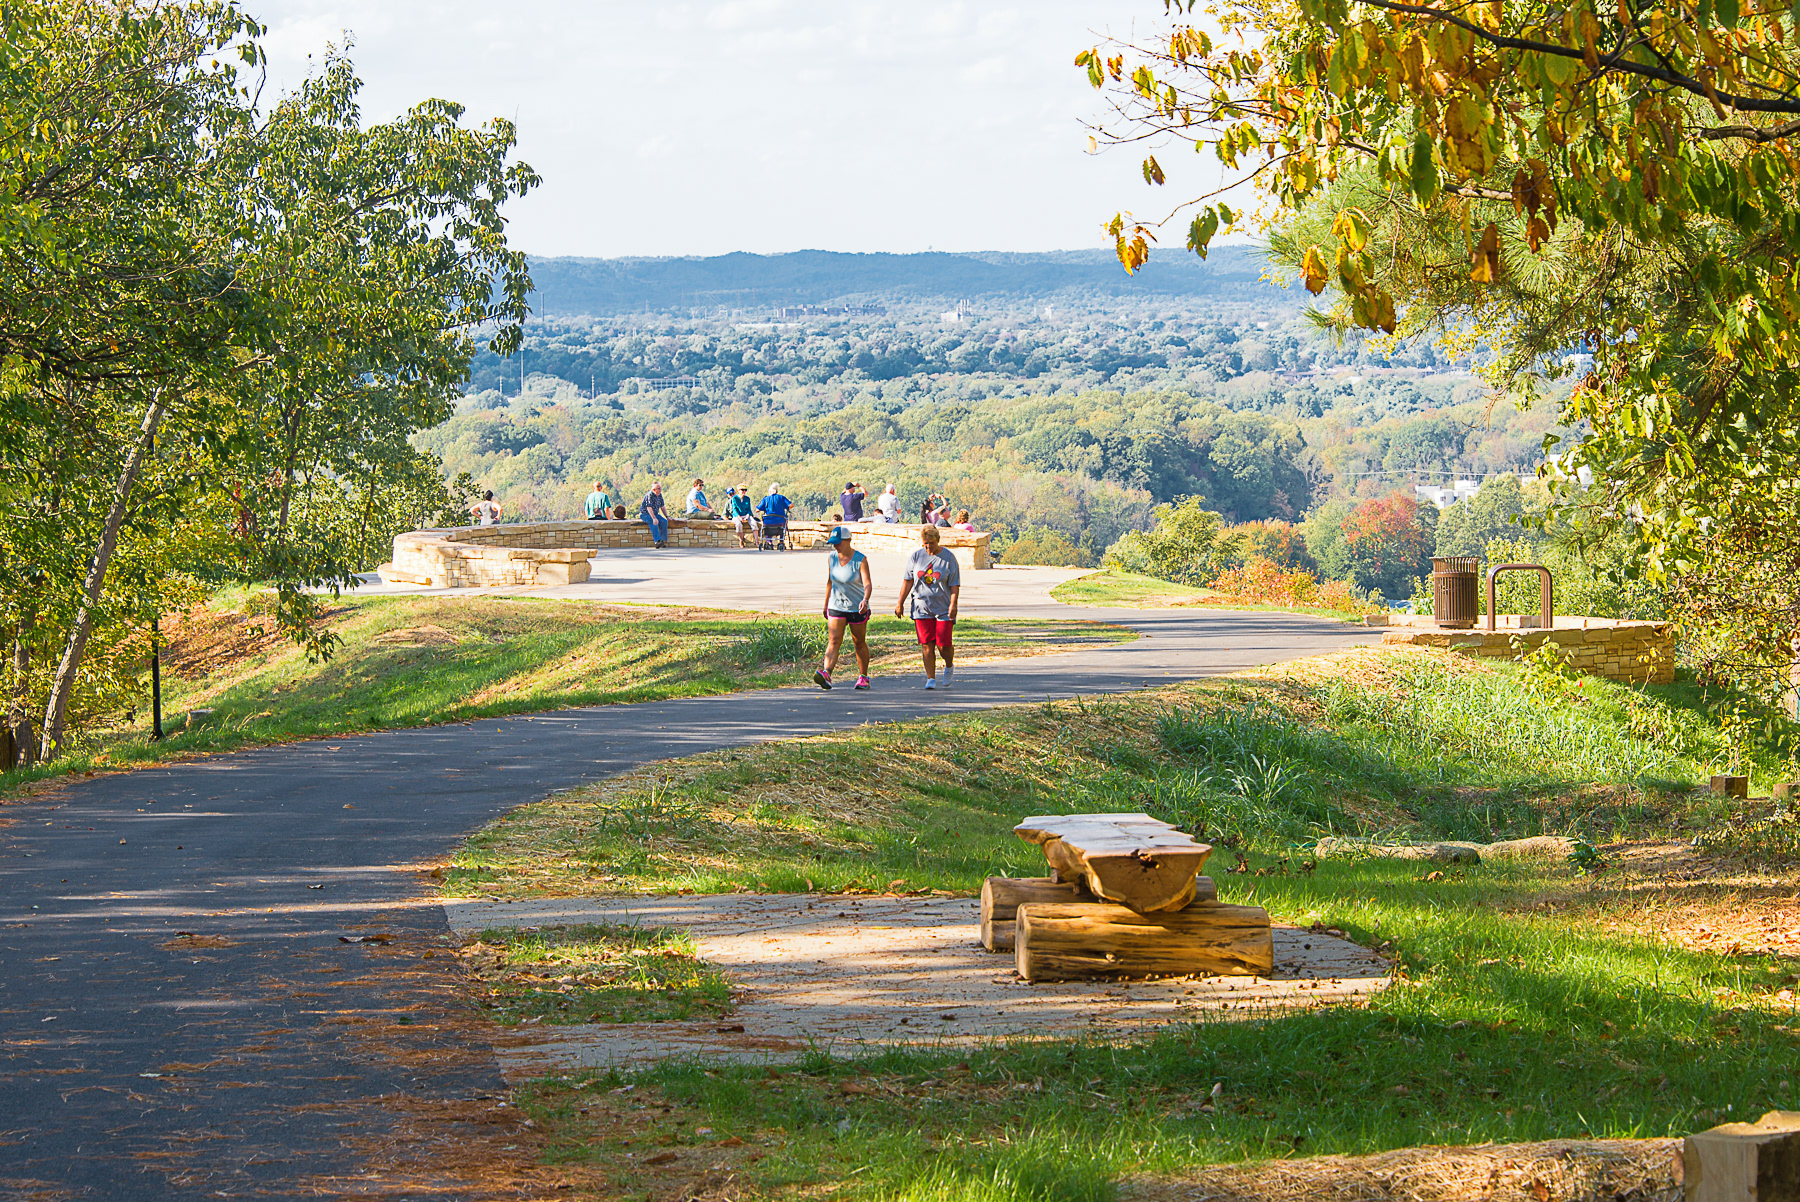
848,590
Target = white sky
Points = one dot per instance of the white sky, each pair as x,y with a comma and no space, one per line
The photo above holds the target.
664,127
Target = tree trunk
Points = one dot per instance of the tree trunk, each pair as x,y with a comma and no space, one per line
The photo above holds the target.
62,687
21,746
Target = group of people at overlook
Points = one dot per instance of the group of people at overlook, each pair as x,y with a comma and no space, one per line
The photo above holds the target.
930,587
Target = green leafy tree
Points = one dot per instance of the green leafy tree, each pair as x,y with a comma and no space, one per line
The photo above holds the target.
1188,545
230,310
1466,527
1043,547
1603,190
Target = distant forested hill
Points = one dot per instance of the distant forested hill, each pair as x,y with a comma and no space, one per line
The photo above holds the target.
602,287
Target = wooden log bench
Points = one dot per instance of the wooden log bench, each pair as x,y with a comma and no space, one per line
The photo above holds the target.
1001,897
1125,898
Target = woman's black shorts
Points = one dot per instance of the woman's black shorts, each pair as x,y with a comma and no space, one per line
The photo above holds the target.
855,619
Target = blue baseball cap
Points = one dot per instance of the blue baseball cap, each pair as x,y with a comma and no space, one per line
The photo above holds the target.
838,534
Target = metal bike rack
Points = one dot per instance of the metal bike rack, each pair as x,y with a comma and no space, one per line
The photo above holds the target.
1546,592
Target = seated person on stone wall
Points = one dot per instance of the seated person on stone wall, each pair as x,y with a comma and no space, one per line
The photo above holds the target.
599,503
618,513
962,521
742,512
888,505
655,514
697,504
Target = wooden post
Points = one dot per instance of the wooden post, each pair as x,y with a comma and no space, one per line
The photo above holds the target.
1066,941
1002,896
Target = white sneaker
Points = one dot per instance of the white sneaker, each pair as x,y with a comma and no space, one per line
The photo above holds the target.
945,678
930,683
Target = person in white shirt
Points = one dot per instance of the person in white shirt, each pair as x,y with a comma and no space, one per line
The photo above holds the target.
486,511
888,505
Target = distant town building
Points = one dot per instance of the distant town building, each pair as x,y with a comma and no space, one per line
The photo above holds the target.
1444,496
645,384
790,312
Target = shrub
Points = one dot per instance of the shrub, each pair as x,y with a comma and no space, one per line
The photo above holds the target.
1263,581
1043,547
1280,542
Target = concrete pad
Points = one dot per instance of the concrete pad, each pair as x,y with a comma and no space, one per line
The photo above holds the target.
851,975
770,581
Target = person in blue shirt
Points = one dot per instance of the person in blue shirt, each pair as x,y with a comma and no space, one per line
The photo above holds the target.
741,510
774,509
849,589
697,504
655,514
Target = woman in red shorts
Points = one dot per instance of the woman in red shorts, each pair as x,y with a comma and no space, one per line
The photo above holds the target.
933,582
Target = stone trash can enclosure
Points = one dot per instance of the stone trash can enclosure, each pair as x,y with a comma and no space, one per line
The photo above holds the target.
541,554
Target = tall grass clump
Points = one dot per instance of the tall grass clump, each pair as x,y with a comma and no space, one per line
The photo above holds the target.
783,640
1507,721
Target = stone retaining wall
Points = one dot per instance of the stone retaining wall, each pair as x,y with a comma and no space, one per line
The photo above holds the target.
1633,652
524,554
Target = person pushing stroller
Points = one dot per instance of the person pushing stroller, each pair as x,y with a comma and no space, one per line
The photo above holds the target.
774,510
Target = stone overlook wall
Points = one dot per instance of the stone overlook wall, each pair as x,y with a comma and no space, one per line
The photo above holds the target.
525,554
1633,652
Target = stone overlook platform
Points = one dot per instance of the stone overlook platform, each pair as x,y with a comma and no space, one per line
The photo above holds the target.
526,554
1614,648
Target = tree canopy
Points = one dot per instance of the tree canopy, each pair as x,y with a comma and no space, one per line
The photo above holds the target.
213,312
1602,191
1614,180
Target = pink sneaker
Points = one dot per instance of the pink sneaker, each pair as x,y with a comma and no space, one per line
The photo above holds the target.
822,678
862,682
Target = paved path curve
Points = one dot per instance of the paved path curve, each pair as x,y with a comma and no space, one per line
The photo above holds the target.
141,1062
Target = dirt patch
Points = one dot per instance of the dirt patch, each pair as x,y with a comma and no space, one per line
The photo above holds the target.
852,974
203,642
1645,1170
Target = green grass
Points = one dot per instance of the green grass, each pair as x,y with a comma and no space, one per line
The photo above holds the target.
1110,587
1506,1027
595,974
1402,745
1532,999
415,661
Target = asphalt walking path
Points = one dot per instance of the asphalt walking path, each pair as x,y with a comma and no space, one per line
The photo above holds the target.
180,1015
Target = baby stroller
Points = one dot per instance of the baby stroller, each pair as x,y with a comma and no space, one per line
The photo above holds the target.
771,536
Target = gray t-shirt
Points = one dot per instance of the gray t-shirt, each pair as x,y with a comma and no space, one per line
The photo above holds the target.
932,577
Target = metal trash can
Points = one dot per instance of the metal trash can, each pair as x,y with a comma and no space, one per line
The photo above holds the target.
1455,591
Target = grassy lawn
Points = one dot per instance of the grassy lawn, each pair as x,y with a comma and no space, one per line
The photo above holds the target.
1647,991
414,661
1128,590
